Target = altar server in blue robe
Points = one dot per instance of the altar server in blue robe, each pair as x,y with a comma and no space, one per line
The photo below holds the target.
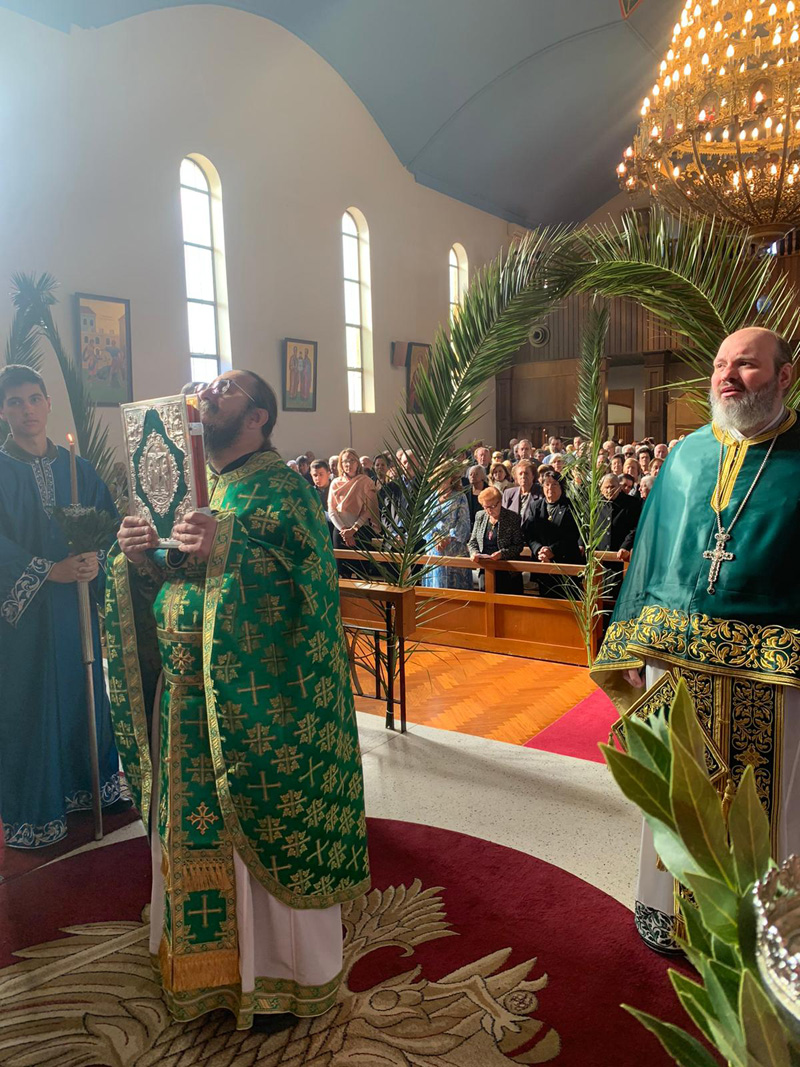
44,748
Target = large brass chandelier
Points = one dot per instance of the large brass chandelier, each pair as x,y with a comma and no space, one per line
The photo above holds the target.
720,130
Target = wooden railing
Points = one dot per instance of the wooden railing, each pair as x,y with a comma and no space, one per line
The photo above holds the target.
531,626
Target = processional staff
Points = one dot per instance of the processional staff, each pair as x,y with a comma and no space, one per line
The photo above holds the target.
87,651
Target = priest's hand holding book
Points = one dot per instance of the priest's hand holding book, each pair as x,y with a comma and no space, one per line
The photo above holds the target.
136,536
195,534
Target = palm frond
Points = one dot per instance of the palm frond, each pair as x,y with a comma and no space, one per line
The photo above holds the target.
33,298
504,299
700,278
585,474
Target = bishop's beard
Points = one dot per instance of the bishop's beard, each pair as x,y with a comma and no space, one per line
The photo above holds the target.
747,412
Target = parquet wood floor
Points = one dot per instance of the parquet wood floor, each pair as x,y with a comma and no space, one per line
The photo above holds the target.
503,698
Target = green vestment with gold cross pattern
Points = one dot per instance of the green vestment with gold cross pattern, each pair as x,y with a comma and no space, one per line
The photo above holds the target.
257,733
735,640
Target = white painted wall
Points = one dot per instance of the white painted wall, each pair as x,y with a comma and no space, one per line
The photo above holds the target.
95,124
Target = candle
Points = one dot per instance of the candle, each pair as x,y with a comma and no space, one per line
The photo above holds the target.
73,470
198,451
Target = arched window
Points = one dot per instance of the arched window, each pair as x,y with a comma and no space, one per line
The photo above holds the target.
204,259
459,270
357,312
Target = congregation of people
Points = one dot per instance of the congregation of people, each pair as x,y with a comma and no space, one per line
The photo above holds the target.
505,505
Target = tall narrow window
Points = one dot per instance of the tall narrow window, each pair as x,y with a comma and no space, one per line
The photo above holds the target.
459,269
357,312
204,258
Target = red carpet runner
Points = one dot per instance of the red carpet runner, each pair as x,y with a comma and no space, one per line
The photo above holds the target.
535,973
578,732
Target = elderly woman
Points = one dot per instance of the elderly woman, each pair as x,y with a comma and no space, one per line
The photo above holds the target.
655,466
558,462
476,477
497,535
631,466
353,505
500,477
646,485
449,537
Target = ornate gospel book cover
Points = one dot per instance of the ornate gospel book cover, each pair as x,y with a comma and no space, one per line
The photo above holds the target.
165,461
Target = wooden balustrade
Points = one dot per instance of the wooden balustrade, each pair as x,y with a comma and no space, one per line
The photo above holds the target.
534,627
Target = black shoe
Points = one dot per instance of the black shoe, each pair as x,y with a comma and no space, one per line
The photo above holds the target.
273,1024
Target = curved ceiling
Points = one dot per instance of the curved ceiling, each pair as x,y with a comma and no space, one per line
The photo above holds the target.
518,107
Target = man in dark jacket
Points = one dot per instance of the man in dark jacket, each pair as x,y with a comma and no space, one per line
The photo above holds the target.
555,534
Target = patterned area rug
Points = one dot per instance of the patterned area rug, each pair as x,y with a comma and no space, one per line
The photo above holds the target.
465,954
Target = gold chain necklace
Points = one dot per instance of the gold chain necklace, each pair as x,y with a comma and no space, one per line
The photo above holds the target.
718,555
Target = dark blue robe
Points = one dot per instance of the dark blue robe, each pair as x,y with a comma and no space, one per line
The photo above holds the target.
44,753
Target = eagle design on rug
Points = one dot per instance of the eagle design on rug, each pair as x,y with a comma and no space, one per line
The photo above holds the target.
92,999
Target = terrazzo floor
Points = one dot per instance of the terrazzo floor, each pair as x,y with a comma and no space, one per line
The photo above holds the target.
565,811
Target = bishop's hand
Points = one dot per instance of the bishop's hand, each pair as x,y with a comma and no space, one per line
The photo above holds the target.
634,677
195,534
135,537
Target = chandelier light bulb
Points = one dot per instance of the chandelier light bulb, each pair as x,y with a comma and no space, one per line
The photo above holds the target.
729,51
768,123
697,11
790,7
754,134
773,169
708,136
705,59
654,132
759,96
717,27
702,116
687,70
742,134
656,90
794,38
676,172
773,10
702,34
776,40
779,129
687,43
725,134
748,15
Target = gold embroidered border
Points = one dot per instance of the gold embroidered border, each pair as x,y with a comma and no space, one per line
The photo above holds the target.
200,970
133,680
722,646
191,865
270,996
216,570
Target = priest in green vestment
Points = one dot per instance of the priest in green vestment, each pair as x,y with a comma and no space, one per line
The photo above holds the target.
234,717
713,594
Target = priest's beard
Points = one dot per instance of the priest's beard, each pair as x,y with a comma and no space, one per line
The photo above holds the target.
747,412
218,437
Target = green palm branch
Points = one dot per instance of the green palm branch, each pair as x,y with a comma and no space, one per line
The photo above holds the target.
509,294
701,278
585,474
33,298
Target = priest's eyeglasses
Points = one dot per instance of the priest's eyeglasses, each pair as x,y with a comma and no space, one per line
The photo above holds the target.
221,387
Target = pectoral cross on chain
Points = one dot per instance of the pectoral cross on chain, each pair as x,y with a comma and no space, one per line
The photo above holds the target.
717,557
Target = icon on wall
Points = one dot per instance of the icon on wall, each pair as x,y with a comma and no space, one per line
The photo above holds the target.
299,375
104,347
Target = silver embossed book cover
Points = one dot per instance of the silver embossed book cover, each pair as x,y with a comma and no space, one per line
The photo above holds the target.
162,459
